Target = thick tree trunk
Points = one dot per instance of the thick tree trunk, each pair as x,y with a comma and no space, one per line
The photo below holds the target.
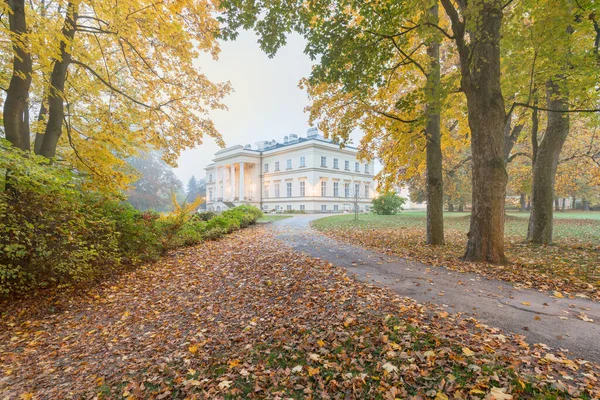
545,164
480,71
435,182
16,127
56,110
557,204
461,207
450,207
585,205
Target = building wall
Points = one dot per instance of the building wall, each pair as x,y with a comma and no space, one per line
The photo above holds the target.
311,174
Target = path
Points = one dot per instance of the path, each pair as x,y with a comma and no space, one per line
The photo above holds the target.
538,316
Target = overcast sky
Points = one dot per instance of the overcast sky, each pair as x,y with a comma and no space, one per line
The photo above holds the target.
266,104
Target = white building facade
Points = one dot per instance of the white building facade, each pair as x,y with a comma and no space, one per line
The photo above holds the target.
311,175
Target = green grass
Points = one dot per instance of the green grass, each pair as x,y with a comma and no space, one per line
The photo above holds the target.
580,226
271,218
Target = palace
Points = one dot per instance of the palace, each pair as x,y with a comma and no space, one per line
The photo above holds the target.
309,174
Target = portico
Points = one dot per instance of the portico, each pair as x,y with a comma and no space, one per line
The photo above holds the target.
234,181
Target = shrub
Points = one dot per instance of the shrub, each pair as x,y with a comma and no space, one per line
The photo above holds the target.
204,216
388,204
140,233
53,232
254,211
50,232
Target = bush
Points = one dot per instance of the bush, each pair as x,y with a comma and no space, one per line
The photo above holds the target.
52,232
139,233
204,216
387,204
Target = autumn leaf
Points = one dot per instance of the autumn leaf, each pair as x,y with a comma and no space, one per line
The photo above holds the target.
467,352
497,393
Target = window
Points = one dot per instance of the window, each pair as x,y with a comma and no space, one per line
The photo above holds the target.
303,161
336,208
210,195
357,167
289,164
347,189
336,189
289,189
347,165
276,165
336,163
302,188
323,188
266,168
323,161
366,191
356,190
323,207
210,178
302,207
366,168
277,190
289,207
266,195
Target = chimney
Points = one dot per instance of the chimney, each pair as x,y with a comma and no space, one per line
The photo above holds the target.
285,140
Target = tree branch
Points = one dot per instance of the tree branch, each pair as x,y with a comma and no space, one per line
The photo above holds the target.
590,110
111,87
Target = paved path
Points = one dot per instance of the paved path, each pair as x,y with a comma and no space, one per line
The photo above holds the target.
493,302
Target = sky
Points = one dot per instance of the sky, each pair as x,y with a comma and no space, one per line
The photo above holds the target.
266,103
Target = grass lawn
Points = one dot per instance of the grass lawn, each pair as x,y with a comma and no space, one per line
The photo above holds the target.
270,218
248,318
571,265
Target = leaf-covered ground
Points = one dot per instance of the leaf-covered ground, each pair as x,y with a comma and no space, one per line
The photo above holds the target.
245,317
570,267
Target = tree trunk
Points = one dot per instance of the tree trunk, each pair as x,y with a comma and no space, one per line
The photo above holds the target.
545,164
435,181
556,204
480,81
17,95
56,108
39,136
563,204
522,203
585,205
573,203
450,207
461,207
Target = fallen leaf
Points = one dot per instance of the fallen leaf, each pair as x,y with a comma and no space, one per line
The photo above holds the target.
467,352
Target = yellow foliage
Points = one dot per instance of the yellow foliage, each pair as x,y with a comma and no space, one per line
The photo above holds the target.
133,84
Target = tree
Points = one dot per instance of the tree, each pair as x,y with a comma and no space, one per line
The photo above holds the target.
388,204
110,81
155,184
376,59
192,189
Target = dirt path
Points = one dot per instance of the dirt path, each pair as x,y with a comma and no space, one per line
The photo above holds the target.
536,315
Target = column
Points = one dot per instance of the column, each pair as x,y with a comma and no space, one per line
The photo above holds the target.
232,181
219,194
242,192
